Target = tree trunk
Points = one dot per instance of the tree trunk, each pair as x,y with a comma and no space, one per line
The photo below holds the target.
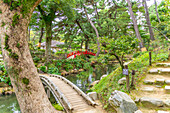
135,25
86,43
148,20
20,66
48,42
41,35
97,34
157,11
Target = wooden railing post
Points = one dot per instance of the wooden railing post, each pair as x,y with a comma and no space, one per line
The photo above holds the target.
133,78
150,58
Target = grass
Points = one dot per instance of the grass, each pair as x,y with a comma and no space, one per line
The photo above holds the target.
140,64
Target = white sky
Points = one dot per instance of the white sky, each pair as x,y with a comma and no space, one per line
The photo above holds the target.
151,2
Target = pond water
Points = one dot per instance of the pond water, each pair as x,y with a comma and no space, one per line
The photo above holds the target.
9,104
84,79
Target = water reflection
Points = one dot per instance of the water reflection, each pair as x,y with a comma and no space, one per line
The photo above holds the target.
84,79
9,104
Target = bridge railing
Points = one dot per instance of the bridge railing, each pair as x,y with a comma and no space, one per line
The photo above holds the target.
80,52
60,96
80,92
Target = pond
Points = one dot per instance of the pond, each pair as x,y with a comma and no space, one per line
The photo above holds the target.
84,79
9,104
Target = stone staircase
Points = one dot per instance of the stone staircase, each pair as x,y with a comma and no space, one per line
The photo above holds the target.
153,96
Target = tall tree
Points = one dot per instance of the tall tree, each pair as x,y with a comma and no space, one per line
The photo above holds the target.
97,33
148,20
15,17
157,11
135,24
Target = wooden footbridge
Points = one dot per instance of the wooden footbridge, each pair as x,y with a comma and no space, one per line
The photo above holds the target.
69,95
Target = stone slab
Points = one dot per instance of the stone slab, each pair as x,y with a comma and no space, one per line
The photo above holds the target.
160,81
153,71
147,101
167,103
167,82
163,64
167,88
165,70
149,81
148,89
159,111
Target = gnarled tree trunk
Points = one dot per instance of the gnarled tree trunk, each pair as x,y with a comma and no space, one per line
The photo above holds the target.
17,58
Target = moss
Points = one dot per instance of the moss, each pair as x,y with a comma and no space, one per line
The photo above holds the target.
13,55
25,81
6,42
15,19
3,24
18,45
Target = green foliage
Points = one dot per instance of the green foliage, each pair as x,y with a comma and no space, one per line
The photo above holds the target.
18,45
25,81
58,107
4,76
3,24
43,68
6,42
15,19
139,64
36,59
13,55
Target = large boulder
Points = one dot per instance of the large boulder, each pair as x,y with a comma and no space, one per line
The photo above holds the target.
122,103
93,95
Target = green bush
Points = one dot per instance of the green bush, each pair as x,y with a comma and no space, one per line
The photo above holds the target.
43,68
58,107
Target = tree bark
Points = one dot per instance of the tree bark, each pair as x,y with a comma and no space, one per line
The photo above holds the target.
135,25
41,35
97,34
48,42
157,11
148,20
17,58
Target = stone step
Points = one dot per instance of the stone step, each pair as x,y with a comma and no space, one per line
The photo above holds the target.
159,70
151,102
148,89
163,64
158,81
160,111
167,89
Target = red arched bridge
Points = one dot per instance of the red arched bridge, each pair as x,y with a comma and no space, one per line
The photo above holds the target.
78,53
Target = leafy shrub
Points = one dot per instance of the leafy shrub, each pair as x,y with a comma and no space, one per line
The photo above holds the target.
43,68
58,107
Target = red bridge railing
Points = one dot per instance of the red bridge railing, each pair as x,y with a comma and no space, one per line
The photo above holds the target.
78,53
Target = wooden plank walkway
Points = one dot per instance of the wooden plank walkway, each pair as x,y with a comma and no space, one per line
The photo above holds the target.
76,101
72,94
